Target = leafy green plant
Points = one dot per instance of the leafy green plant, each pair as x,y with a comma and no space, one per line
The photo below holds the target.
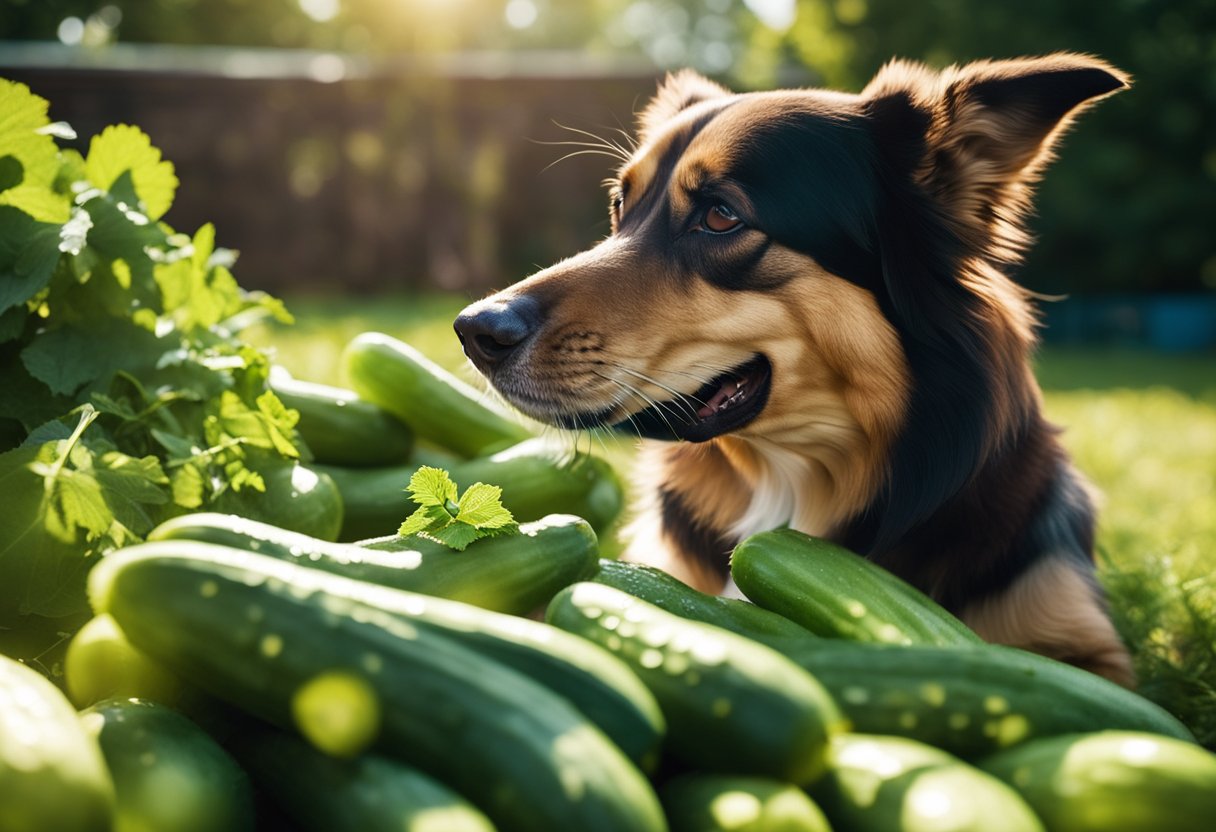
456,522
128,394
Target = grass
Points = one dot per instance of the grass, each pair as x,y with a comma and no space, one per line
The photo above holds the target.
1141,425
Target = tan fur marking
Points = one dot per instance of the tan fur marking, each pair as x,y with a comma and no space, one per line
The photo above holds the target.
1053,610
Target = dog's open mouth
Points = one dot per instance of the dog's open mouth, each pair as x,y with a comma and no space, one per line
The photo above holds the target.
724,404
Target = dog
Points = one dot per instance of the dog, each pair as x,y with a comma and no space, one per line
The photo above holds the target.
803,309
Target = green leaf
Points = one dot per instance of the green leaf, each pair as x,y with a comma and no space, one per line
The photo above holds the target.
51,524
29,251
424,519
122,148
29,155
432,487
481,506
457,535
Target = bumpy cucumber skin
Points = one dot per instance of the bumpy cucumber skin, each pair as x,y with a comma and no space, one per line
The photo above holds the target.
972,701
168,773
512,747
725,803
52,775
1112,781
438,406
513,574
599,684
673,595
838,594
732,704
342,429
370,794
537,478
894,784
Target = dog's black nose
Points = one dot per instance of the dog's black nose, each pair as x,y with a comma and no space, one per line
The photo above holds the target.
491,330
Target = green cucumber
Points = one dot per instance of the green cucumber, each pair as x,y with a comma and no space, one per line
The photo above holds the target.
342,429
298,497
602,687
837,594
168,773
675,596
537,477
438,406
518,751
972,701
728,803
52,775
101,664
894,784
1112,781
510,573
732,704
371,793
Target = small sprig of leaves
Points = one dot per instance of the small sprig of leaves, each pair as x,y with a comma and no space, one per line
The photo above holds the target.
455,522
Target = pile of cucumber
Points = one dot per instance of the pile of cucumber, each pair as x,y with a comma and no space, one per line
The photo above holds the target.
239,675
405,411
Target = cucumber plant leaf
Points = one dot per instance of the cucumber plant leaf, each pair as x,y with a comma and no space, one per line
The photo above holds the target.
453,521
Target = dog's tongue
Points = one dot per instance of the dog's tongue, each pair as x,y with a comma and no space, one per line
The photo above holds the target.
733,390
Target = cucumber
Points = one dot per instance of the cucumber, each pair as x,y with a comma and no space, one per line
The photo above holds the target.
602,687
972,701
837,594
727,803
168,774
518,751
537,477
101,664
732,704
1112,781
371,793
52,775
342,429
893,784
298,497
666,592
438,406
511,573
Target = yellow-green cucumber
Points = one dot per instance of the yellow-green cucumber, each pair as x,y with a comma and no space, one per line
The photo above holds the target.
972,701
537,477
675,596
893,784
340,428
101,664
698,802
518,751
732,704
838,594
371,793
1112,781
168,773
52,775
509,573
436,404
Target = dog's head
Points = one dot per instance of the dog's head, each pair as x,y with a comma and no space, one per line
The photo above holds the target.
813,267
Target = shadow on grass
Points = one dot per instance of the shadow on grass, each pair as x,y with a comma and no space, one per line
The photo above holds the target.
1096,368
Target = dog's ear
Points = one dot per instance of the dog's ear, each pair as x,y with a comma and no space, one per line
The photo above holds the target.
678,91
987,130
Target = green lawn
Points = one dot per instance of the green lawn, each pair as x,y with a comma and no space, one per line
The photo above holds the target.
1141,425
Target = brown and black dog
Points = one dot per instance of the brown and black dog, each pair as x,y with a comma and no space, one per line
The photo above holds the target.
803,300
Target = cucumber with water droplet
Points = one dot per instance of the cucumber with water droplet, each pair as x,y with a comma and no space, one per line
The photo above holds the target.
241,627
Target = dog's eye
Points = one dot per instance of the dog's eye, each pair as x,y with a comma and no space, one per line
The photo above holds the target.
720,219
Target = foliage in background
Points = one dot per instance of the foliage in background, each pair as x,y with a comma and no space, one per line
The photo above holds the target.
127,394
1128,208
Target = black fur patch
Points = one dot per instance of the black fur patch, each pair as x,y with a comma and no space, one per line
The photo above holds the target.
709,546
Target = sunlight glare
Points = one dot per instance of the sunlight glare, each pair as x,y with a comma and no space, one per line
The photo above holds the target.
520,14
322,11
777,15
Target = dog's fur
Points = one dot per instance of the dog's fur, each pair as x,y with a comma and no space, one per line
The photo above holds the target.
898,413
